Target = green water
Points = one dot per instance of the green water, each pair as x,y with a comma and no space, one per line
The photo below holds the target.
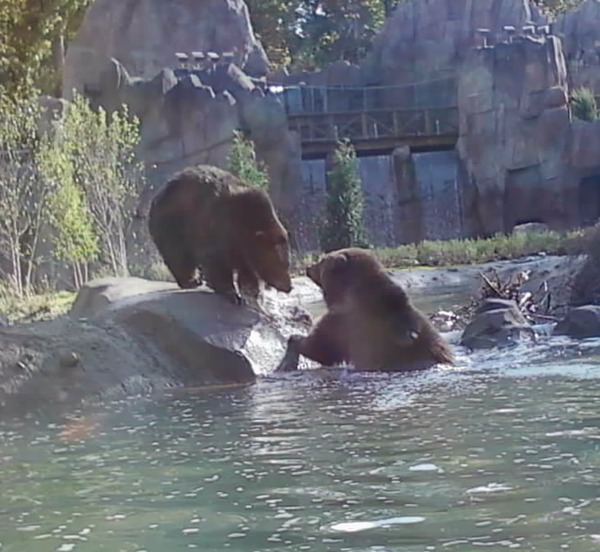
502,453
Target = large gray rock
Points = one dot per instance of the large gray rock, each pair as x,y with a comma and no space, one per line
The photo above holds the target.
128,337
514,136
497,323
145,36
580,322
579,30
98,295
585,285
584,147
424,40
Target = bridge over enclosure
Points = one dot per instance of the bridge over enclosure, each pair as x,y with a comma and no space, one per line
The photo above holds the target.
375,118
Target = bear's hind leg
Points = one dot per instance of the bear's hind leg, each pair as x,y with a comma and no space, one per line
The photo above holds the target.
180,262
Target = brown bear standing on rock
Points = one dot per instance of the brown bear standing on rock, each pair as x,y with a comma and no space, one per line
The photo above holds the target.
370,321
208,224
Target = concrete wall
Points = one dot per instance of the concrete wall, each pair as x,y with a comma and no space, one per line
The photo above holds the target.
436,174
411,200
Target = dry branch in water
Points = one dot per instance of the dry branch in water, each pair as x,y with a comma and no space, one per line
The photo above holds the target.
536,307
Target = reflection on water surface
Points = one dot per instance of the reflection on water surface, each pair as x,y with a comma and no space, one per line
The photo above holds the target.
503,453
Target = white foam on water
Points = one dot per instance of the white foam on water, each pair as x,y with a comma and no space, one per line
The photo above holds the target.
572,433
573,370
424,468
356,526
490,488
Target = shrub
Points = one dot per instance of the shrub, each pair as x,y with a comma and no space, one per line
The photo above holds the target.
242,162
101,147
23,196
473,251
583,104
344,225
70,187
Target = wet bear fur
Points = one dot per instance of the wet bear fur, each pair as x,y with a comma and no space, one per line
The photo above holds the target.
208,225
370,321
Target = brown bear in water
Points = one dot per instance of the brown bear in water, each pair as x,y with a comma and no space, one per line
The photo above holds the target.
370,321
208,224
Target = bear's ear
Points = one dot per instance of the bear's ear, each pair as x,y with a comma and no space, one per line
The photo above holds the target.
332,269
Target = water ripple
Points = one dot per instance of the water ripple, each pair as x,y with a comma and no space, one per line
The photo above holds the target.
500,452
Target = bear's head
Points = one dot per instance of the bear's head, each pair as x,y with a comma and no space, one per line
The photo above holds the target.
261,237
336,272
271,258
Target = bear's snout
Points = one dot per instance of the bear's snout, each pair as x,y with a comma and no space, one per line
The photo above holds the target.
313,274
284,285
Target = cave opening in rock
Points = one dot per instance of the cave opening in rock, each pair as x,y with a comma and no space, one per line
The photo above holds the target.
589,200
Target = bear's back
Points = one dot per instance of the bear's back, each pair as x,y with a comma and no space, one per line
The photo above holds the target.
199,183
381,316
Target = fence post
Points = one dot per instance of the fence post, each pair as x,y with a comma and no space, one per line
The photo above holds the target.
364,123
427,121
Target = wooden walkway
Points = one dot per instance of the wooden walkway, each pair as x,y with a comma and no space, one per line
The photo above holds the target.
377,129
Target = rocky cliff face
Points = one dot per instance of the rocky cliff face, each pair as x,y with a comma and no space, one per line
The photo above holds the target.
580,33
427,39
520,156
144,37
514,136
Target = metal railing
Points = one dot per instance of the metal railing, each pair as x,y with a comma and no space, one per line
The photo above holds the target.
375,124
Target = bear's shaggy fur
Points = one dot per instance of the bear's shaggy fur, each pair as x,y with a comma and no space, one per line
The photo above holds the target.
370,321
207,224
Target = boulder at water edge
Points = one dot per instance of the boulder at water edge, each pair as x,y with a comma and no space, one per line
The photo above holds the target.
130,336
580,322
497,323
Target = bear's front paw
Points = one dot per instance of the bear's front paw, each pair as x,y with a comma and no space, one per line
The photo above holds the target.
291,359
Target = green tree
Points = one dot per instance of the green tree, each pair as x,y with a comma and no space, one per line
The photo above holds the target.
344,207
33,35
273,22
583,104
23,195
80,179
331,30
74,238
307,34
242,162
106,169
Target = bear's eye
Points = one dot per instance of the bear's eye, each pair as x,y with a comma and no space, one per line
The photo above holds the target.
414,335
